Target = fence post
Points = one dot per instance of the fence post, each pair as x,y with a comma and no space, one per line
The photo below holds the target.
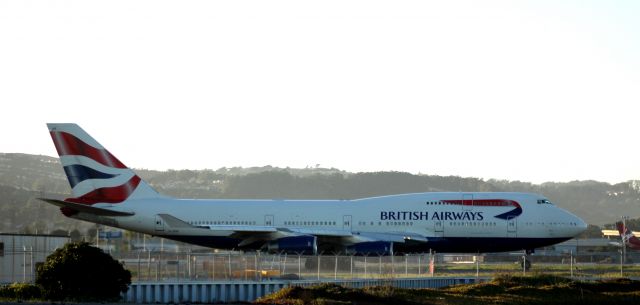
32,273
284,264
257,272
230,274
351,265
571,263
393,266
178,267
161,269
406,265
138,275
335,269
365,266
148,278
24,264
246,266
188,275
195,267
432,263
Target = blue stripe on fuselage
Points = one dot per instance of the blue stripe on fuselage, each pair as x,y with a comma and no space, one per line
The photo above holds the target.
511,214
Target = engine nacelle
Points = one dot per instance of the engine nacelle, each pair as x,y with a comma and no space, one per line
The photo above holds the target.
304,244
371,248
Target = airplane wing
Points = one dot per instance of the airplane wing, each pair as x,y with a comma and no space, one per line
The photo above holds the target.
334,237
369,236
102,211
252,235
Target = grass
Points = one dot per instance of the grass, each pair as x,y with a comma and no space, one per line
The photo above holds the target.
504,289
580,270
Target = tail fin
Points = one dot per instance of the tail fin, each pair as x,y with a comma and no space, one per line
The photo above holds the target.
628,236
95,175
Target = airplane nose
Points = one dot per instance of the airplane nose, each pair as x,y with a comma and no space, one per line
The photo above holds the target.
577,225
581,225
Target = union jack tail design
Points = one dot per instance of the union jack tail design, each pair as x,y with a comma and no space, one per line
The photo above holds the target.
95,175
627,236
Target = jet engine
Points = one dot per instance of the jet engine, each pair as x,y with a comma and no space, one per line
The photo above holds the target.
371,248
303,244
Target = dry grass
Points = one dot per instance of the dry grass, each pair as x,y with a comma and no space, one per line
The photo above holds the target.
505,289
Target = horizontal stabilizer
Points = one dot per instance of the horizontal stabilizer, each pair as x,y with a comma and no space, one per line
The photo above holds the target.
86,208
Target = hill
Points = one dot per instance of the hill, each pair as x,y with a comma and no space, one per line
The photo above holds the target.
25,177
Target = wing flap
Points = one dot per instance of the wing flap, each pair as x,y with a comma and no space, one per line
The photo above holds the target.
243,229
318,232
177,223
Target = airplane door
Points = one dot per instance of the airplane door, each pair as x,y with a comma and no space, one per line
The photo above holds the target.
159,225
512,227
346,222
438,226
268,220
467,202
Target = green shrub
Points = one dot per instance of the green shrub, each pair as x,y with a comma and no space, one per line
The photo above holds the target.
81,272
20,291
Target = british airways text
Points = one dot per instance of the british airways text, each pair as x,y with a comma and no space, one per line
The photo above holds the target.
413,215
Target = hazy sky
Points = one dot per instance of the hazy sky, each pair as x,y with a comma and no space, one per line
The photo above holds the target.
520,90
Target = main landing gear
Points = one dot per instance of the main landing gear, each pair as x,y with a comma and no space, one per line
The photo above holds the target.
525,261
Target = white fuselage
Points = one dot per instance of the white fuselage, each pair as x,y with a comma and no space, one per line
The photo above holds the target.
428,215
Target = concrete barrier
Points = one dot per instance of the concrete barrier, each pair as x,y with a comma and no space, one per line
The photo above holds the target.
248,291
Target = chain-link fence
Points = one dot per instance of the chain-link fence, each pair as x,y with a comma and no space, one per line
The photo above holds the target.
159,266
20,265
193,266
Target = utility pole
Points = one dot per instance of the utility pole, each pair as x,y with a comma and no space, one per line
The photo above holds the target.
624,239
623,251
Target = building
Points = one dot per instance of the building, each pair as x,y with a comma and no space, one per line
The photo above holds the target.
20,253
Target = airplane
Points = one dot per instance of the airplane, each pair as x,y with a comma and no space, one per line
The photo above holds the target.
105,191
628,238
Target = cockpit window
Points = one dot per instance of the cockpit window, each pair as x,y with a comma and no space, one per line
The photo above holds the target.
544,201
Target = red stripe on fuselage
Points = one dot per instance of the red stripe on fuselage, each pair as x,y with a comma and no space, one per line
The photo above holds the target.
68,145
485,202
114,194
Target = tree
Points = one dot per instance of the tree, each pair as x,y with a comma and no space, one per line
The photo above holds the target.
81,272
59,232
75,235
